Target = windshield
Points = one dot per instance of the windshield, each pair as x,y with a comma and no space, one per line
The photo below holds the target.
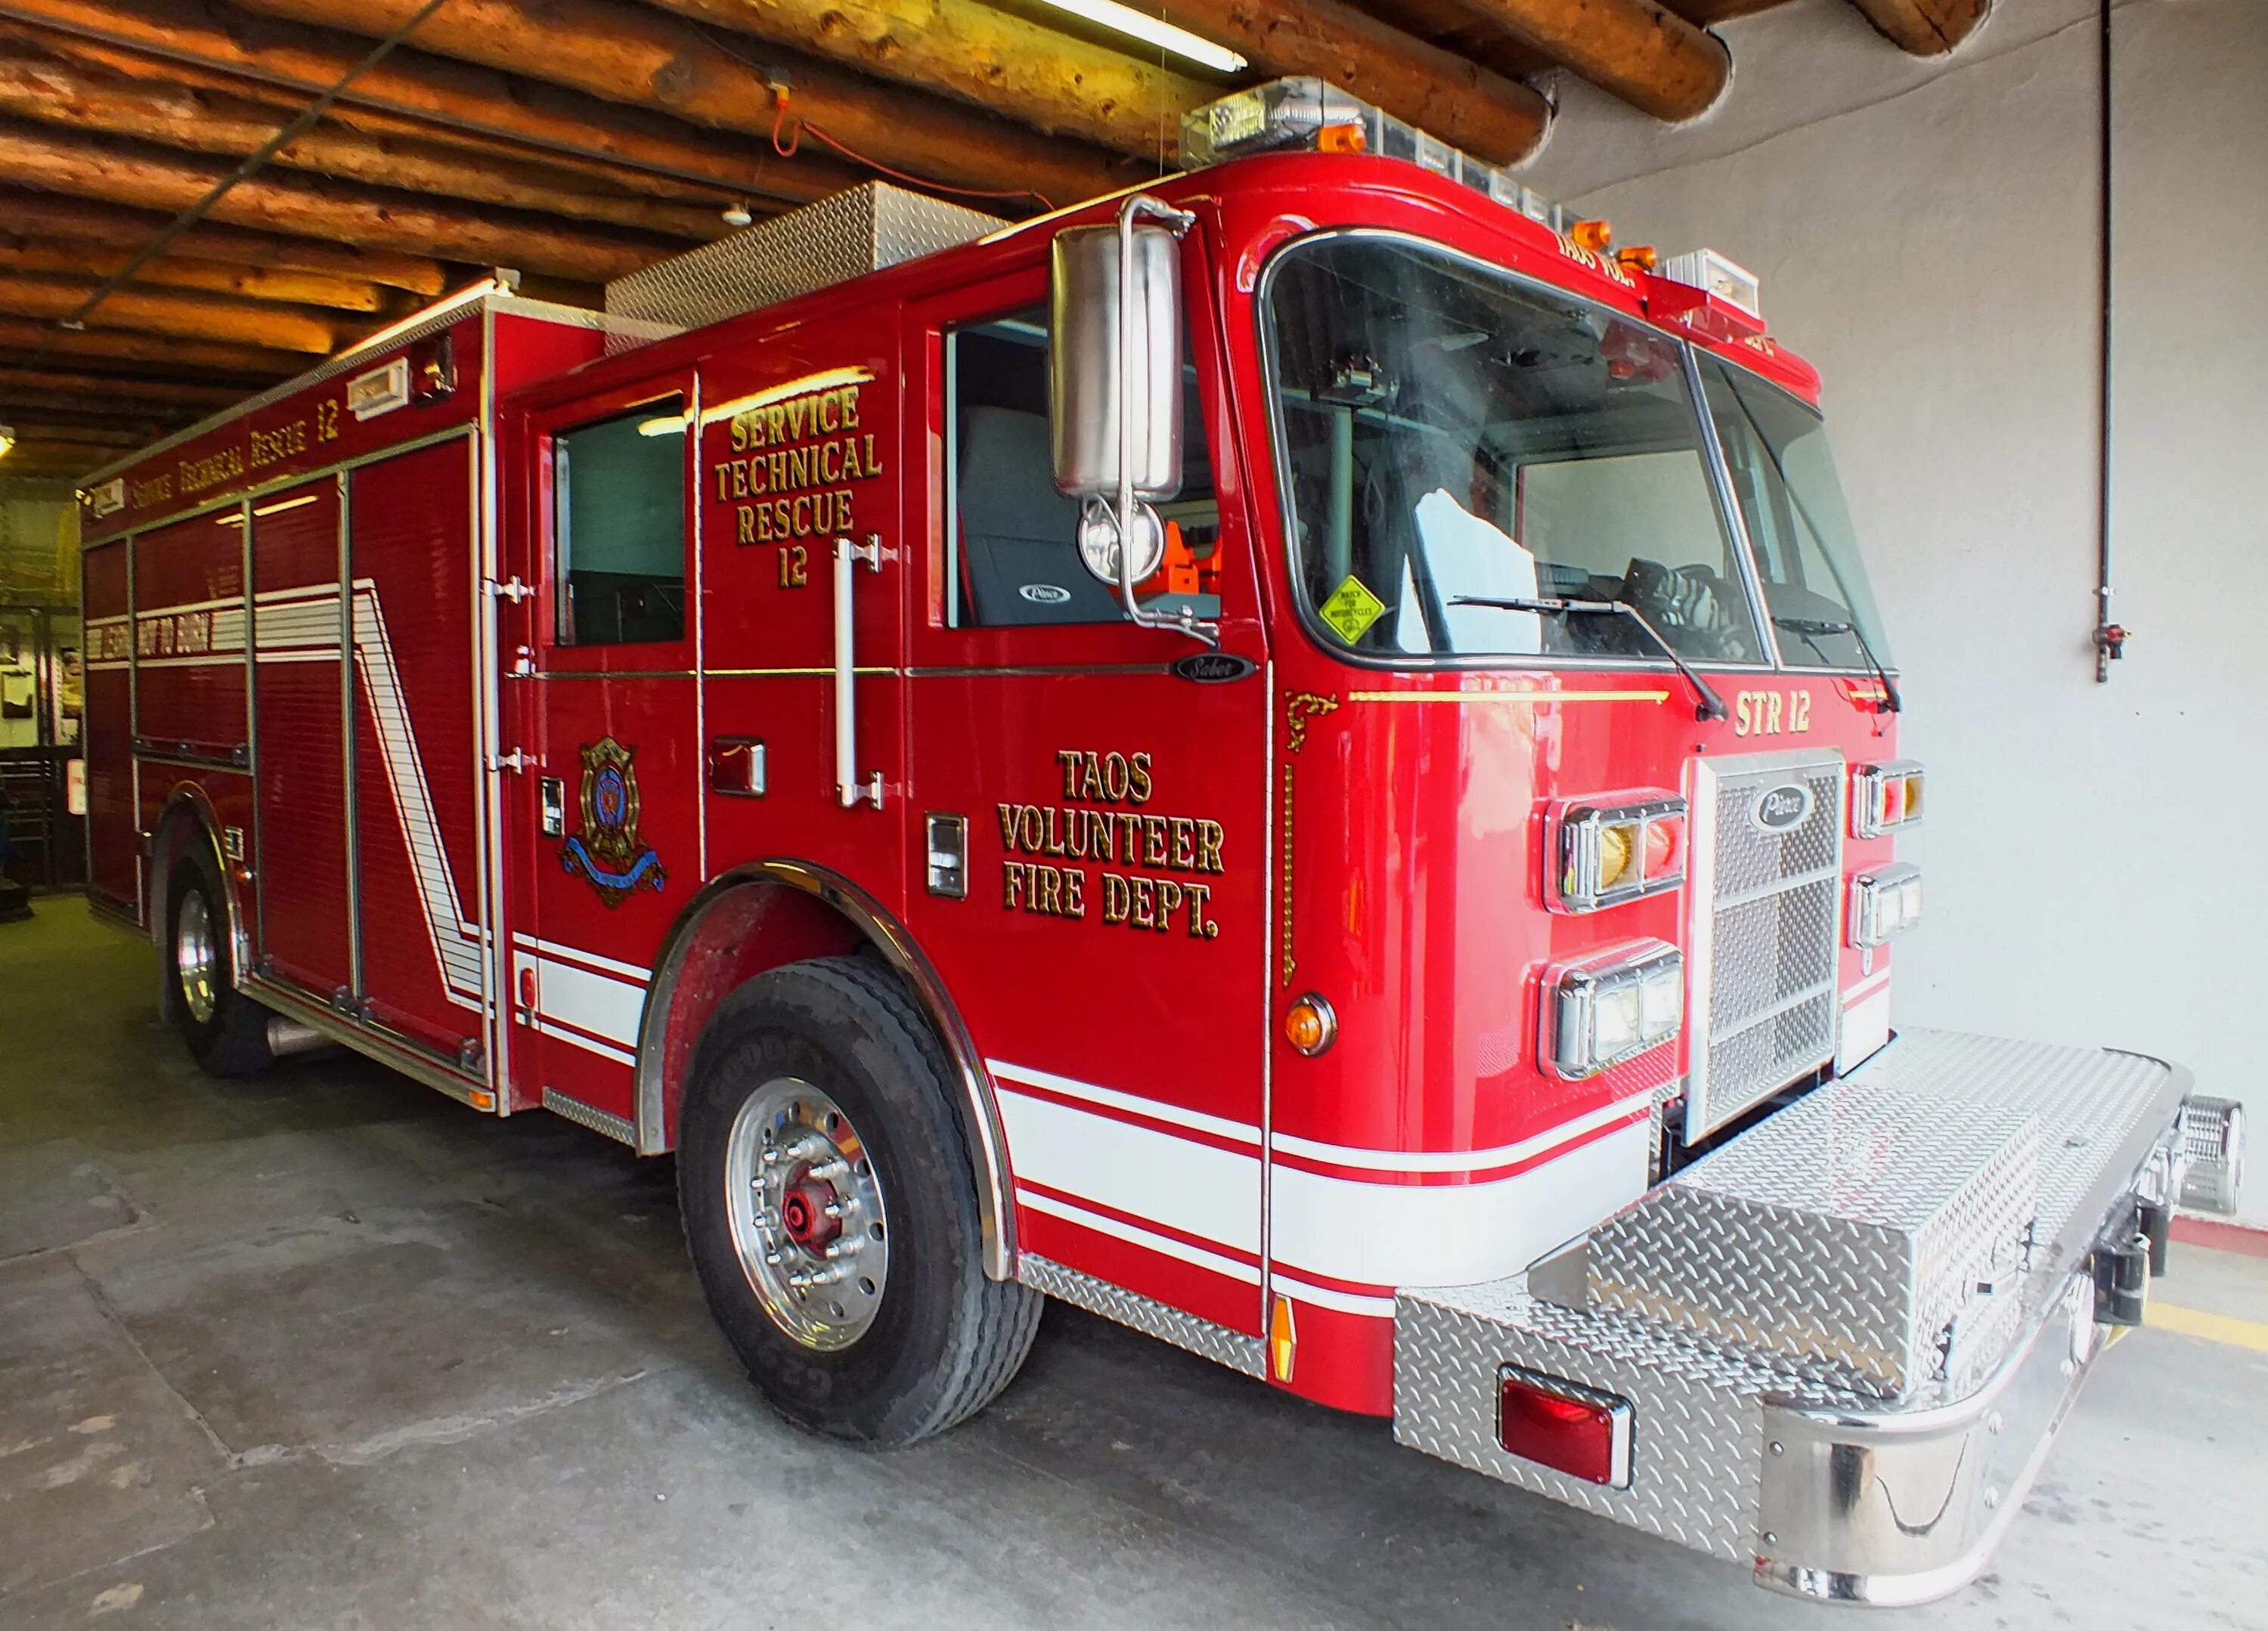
1807,551
1453,435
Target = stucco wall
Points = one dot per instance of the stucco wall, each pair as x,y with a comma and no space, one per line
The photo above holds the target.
1927,235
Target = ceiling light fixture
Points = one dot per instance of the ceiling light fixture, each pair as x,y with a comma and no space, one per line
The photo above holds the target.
736,214
1126,20
7,439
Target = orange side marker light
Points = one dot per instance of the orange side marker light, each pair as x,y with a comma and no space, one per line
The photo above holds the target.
1283,1339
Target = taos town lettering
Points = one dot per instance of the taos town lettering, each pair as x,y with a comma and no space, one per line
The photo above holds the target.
155,490
109,643
1771,712
1078,831
792,460
179,634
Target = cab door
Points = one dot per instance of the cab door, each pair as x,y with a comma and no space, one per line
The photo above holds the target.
602,790
1088,812
803,579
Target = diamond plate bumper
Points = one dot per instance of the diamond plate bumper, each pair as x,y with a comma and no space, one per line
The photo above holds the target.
1807,1396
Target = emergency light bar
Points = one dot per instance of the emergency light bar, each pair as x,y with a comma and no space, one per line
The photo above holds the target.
1304,114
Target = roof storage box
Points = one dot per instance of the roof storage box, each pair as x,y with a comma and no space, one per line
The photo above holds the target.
829,242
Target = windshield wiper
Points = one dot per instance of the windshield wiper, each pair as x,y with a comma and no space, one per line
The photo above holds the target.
1710,705
1810,630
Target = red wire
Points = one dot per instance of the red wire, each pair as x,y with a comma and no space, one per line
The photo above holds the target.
779,118
804,126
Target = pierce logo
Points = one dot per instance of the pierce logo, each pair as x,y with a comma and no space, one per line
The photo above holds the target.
1214,667
1781,809
1045,594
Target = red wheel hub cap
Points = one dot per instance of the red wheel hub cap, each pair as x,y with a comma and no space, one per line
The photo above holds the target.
803,1214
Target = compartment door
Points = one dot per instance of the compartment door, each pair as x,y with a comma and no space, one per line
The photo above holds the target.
305,930
416,767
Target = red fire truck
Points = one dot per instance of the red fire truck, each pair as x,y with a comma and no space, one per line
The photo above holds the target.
1300,758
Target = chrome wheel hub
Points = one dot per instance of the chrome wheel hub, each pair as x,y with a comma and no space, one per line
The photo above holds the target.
806,1212
194,959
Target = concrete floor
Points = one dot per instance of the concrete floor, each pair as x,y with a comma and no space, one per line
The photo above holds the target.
322,1349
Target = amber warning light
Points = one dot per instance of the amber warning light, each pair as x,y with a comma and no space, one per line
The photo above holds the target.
1572,1429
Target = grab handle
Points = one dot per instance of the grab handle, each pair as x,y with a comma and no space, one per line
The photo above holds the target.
849,787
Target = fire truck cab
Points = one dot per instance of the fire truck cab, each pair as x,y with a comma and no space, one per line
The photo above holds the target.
1300,758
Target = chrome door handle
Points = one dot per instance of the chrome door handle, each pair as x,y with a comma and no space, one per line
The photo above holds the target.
849,786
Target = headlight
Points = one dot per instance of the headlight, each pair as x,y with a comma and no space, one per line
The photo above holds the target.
1600,856
1884,797
1884,903
1615,1005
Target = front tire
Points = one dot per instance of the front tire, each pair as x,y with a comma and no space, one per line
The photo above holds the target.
226,1032
830,1205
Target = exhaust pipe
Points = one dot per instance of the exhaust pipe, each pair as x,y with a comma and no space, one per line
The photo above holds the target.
287,1037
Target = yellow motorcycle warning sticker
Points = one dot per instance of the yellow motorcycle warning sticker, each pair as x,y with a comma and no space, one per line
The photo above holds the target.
1351,609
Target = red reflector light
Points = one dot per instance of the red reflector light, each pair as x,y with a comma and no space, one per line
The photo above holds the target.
1665,846
1563,1425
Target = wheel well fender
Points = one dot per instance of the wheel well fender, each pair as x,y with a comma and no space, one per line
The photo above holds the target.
187,820
762,916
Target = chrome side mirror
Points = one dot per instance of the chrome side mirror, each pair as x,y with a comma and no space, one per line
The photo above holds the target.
1115,389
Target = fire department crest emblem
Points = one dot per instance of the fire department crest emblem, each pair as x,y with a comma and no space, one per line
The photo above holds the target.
606,851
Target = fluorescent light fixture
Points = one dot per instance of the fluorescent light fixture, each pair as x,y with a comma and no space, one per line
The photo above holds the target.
1134,25
282,504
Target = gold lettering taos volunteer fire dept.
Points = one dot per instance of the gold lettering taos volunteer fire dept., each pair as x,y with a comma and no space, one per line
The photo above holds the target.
1094,825
791,466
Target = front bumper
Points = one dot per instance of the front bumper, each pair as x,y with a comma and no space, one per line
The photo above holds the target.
1848,1337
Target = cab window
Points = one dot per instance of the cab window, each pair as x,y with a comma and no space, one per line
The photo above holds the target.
1011,545
618,527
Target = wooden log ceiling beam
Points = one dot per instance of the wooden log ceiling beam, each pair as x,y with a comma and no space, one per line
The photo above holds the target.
112,395
995,59
1450,25
1057,82
51,430
1924,27
33,420
151,178
53,216
100,352
35,426
73,256
195,317
194,40
35,85
632,54
208,40
1702,13
137,63
1637,50
1450,96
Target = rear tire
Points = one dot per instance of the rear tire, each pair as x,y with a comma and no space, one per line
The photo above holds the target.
830,1206
226,1032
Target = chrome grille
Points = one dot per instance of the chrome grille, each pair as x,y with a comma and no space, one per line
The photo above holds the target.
1767,904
